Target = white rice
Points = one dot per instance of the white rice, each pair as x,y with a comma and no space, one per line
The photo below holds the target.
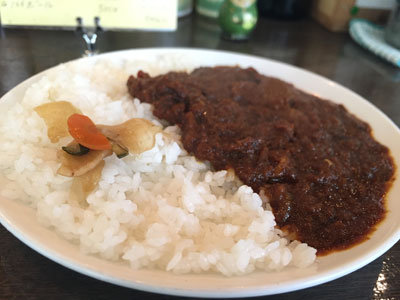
162,209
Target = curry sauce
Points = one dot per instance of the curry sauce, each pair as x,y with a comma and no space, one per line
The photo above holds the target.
324,174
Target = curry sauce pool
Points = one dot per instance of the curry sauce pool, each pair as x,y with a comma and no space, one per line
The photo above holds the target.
323,172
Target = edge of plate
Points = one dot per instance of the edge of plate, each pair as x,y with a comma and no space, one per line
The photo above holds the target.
235,292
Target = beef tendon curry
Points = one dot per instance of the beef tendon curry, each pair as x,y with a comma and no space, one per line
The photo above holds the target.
323,172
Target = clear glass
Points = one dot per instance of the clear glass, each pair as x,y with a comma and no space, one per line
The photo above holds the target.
392,32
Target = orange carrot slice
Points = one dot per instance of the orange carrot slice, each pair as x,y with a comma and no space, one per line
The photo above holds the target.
84,131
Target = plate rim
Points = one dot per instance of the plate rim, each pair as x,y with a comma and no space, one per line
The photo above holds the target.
86,270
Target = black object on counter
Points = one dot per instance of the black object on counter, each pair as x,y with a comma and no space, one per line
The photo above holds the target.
284,9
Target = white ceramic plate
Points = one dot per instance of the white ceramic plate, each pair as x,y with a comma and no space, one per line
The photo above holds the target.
20,220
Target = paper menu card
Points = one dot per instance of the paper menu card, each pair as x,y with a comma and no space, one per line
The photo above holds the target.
114,14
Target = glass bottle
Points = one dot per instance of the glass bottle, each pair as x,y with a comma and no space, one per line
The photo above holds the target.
185,7
208,8
238,18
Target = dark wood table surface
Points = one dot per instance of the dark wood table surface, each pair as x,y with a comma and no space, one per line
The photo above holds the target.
24,274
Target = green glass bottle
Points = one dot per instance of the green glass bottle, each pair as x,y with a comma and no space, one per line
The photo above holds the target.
238,18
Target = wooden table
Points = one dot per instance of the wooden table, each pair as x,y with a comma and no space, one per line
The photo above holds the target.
24,274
